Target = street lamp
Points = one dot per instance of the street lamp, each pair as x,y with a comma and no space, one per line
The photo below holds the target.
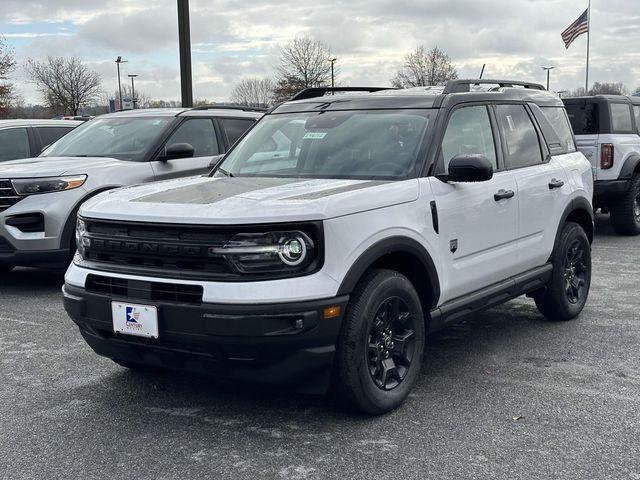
333,61
118,62
548,70
133,91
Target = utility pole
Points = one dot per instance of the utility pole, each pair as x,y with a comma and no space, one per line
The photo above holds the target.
333,77
184,39
133,92
586,80
118,62
548,70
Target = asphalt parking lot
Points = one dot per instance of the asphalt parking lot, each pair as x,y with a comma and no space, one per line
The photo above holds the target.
503,395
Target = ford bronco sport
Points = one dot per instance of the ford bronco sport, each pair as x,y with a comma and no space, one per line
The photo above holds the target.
607,130
40,197
336,235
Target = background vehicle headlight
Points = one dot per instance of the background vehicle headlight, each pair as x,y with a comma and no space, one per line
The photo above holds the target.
34,186
268,252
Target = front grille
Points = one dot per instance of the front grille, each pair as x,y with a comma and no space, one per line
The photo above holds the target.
173,250
8,196
142,290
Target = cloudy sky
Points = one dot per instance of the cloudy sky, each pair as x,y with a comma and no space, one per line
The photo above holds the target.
232,39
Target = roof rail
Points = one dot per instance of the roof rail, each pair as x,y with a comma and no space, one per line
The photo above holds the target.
228,107
460,86
313,92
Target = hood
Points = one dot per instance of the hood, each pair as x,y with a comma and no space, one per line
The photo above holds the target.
247,200
54,166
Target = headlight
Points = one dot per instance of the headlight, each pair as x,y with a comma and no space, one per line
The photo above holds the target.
33,186
81,240
268,252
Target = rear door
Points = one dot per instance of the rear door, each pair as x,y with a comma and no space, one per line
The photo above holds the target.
477,229
14,143
201,135
541,182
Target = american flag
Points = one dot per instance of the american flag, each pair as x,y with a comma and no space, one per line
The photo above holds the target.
577,28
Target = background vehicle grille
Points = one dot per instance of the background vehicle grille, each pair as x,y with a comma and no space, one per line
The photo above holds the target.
8,196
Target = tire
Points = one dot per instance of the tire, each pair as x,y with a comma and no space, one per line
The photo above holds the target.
381,342
5,268
568,289
625,213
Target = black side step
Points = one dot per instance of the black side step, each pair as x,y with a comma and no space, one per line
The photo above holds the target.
501,292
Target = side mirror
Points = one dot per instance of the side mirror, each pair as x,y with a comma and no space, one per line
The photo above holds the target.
469,168
178,150
215,160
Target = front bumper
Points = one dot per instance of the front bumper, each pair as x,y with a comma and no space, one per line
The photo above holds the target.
610,190
255,343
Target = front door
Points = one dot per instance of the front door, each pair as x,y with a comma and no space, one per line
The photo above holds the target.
201,135
477,221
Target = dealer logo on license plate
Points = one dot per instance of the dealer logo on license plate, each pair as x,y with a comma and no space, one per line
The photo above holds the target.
140,320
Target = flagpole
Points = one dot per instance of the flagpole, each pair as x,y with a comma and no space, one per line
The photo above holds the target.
586,83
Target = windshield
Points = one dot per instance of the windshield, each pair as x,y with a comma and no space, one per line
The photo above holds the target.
381,144
122,138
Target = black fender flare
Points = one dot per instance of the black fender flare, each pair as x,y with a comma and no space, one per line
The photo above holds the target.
577,204
396,244
68,232
631,164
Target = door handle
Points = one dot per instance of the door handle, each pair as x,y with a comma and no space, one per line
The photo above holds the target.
503,195
555,183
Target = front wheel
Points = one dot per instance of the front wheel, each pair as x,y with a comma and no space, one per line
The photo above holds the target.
625,213
568,289
381,342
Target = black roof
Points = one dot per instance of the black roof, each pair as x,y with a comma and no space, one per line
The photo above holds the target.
602,99
454,92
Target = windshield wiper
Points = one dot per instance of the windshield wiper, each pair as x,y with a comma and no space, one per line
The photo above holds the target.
224,172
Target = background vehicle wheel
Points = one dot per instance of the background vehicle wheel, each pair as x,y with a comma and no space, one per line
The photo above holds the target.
568,289
381,342
625,213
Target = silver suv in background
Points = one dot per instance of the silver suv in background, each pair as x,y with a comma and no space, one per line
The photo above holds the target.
27,138
40,197
607,131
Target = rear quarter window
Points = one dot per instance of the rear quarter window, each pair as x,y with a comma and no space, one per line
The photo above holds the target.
621,118
557,117
583,118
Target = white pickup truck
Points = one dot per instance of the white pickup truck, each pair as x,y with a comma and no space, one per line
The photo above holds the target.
607,131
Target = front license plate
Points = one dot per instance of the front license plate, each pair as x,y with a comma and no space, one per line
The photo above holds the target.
132,319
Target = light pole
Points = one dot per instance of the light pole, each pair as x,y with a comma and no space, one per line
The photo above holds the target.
118,62
548,70
333,61
133,91
184,41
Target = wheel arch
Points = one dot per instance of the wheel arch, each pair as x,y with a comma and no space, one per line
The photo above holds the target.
68,231
630,166
579,211
402,254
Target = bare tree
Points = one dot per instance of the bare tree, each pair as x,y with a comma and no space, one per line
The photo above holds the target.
424,67
7,65
66,84
304,62
600,89
254,92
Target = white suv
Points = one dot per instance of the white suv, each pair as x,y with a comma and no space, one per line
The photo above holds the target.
336,235
607,129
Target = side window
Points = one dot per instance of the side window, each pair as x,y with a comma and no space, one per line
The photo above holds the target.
557,117
469,132
50,135
583,117
199,133
636,113
14,144
235,127
521,138
621,118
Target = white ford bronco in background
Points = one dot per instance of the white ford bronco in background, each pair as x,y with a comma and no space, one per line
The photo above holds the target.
607,130
336,234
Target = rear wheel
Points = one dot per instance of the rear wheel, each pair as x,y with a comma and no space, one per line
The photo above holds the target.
568,289
625,213
380,347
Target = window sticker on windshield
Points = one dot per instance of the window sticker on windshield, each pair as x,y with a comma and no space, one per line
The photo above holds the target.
314,135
